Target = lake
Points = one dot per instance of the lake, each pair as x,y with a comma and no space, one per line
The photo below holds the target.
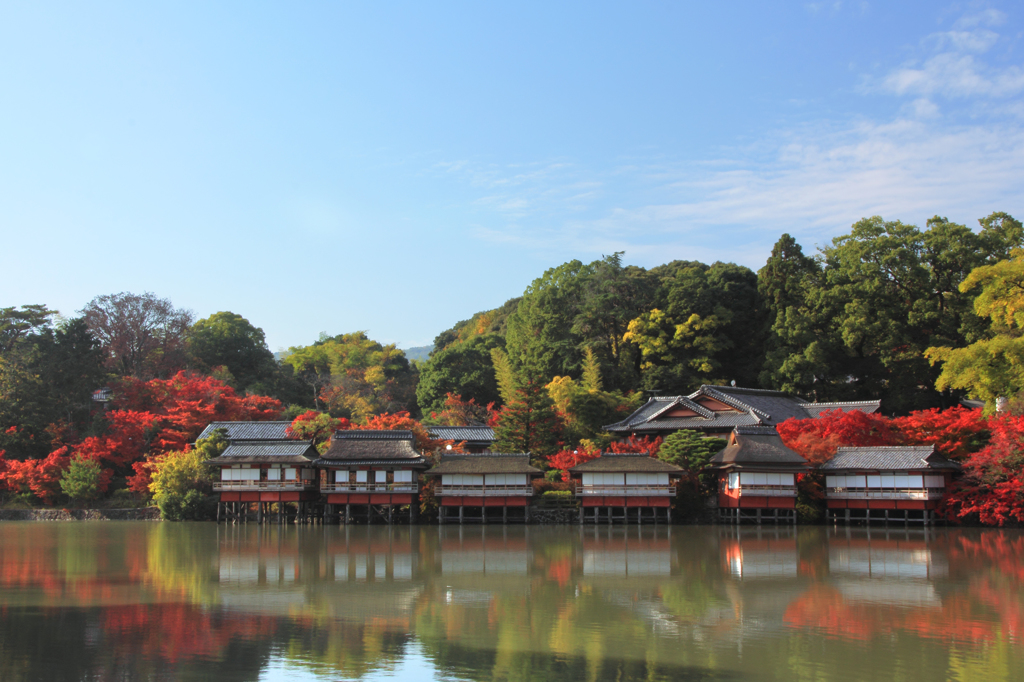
163,601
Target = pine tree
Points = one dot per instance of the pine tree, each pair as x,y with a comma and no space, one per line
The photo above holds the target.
528,422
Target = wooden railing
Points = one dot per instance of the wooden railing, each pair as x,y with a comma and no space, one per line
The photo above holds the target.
625,490
349,487
484,490
884,493
766,490
301,484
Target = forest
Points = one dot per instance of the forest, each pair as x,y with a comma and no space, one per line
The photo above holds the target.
918,318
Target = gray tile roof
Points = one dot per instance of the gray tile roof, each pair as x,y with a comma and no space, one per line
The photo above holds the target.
485,463
757,446
249,430
892,458
476,434
372,447
267,451
620,462
755,407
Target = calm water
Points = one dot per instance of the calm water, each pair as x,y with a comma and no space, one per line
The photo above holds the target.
139,601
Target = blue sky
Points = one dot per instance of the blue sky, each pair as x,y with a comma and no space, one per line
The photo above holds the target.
395,167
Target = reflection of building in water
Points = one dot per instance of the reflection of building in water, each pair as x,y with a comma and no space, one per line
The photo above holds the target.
622,552
349,572
752,555
894,568
476,551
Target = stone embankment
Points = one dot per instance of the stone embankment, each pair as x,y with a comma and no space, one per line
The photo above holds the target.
143,514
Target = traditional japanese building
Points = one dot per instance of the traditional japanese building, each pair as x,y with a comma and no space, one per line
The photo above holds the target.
625,487
757,476
474,438
715,410
474,486
901,483
371,473
265,472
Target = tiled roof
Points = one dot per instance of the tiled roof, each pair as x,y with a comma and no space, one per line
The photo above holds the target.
757,445
623,462
481,434
268,451
364,447
895,458
485,463
249,430
755,407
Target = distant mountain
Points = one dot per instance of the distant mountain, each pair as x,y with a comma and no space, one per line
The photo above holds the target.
418,353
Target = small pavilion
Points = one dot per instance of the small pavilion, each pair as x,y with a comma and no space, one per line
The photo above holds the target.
757,476
882,484
487,484
370,474
625,487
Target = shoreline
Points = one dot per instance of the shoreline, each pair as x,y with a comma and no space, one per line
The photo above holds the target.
131,514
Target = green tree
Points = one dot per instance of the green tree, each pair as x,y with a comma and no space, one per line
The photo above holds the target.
463,369
991,367
81,479
528,422
356,377
182,481
226,339
692,452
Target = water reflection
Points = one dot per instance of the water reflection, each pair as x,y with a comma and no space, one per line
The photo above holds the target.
172,601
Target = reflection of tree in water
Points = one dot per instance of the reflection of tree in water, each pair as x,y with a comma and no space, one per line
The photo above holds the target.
196,601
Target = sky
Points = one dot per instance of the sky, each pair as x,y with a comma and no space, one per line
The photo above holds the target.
396,167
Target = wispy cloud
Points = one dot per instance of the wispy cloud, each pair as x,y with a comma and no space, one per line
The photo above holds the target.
813,182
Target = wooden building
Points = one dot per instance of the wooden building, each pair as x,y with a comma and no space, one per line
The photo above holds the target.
474,437
757,476
266,472
485,484
371,473
626,487
883,484
716,410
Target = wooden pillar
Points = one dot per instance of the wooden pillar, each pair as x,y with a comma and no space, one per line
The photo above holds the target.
219,504
391,511
441,513
414,509
461,513
759,515
504,515
348,513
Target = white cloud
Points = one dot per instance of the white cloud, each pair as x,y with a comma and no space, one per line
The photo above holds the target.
954,75
988,17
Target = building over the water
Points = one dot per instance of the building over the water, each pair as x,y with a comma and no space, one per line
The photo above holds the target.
757,476
265,472
371,473
474,486
897,483
715,410
625,486
475,437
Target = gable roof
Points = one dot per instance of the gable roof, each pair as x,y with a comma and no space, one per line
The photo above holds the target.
266,451
249,430
625,462
890,458
372,447
470,434
753,407
757,446
485,463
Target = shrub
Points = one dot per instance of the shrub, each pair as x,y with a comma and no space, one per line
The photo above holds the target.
80,481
